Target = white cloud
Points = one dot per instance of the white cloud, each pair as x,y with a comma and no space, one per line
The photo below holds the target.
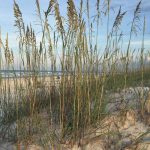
139,43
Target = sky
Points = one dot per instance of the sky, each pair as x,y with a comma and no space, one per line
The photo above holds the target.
28,9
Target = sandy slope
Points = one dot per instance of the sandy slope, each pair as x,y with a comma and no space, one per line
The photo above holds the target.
118,131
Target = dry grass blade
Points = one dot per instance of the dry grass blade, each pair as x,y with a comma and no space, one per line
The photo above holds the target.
136,21
72,15
58,18
38,7
18,15
118,19
50,6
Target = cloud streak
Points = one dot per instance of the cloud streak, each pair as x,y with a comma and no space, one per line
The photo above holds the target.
139,43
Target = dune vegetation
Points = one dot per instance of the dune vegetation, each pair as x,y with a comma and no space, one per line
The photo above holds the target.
61,108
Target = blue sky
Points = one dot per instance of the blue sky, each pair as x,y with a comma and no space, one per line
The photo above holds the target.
28,9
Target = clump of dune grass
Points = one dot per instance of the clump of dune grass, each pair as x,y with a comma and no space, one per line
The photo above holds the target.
78,100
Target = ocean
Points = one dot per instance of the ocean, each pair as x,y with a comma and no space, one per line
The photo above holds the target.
25,73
